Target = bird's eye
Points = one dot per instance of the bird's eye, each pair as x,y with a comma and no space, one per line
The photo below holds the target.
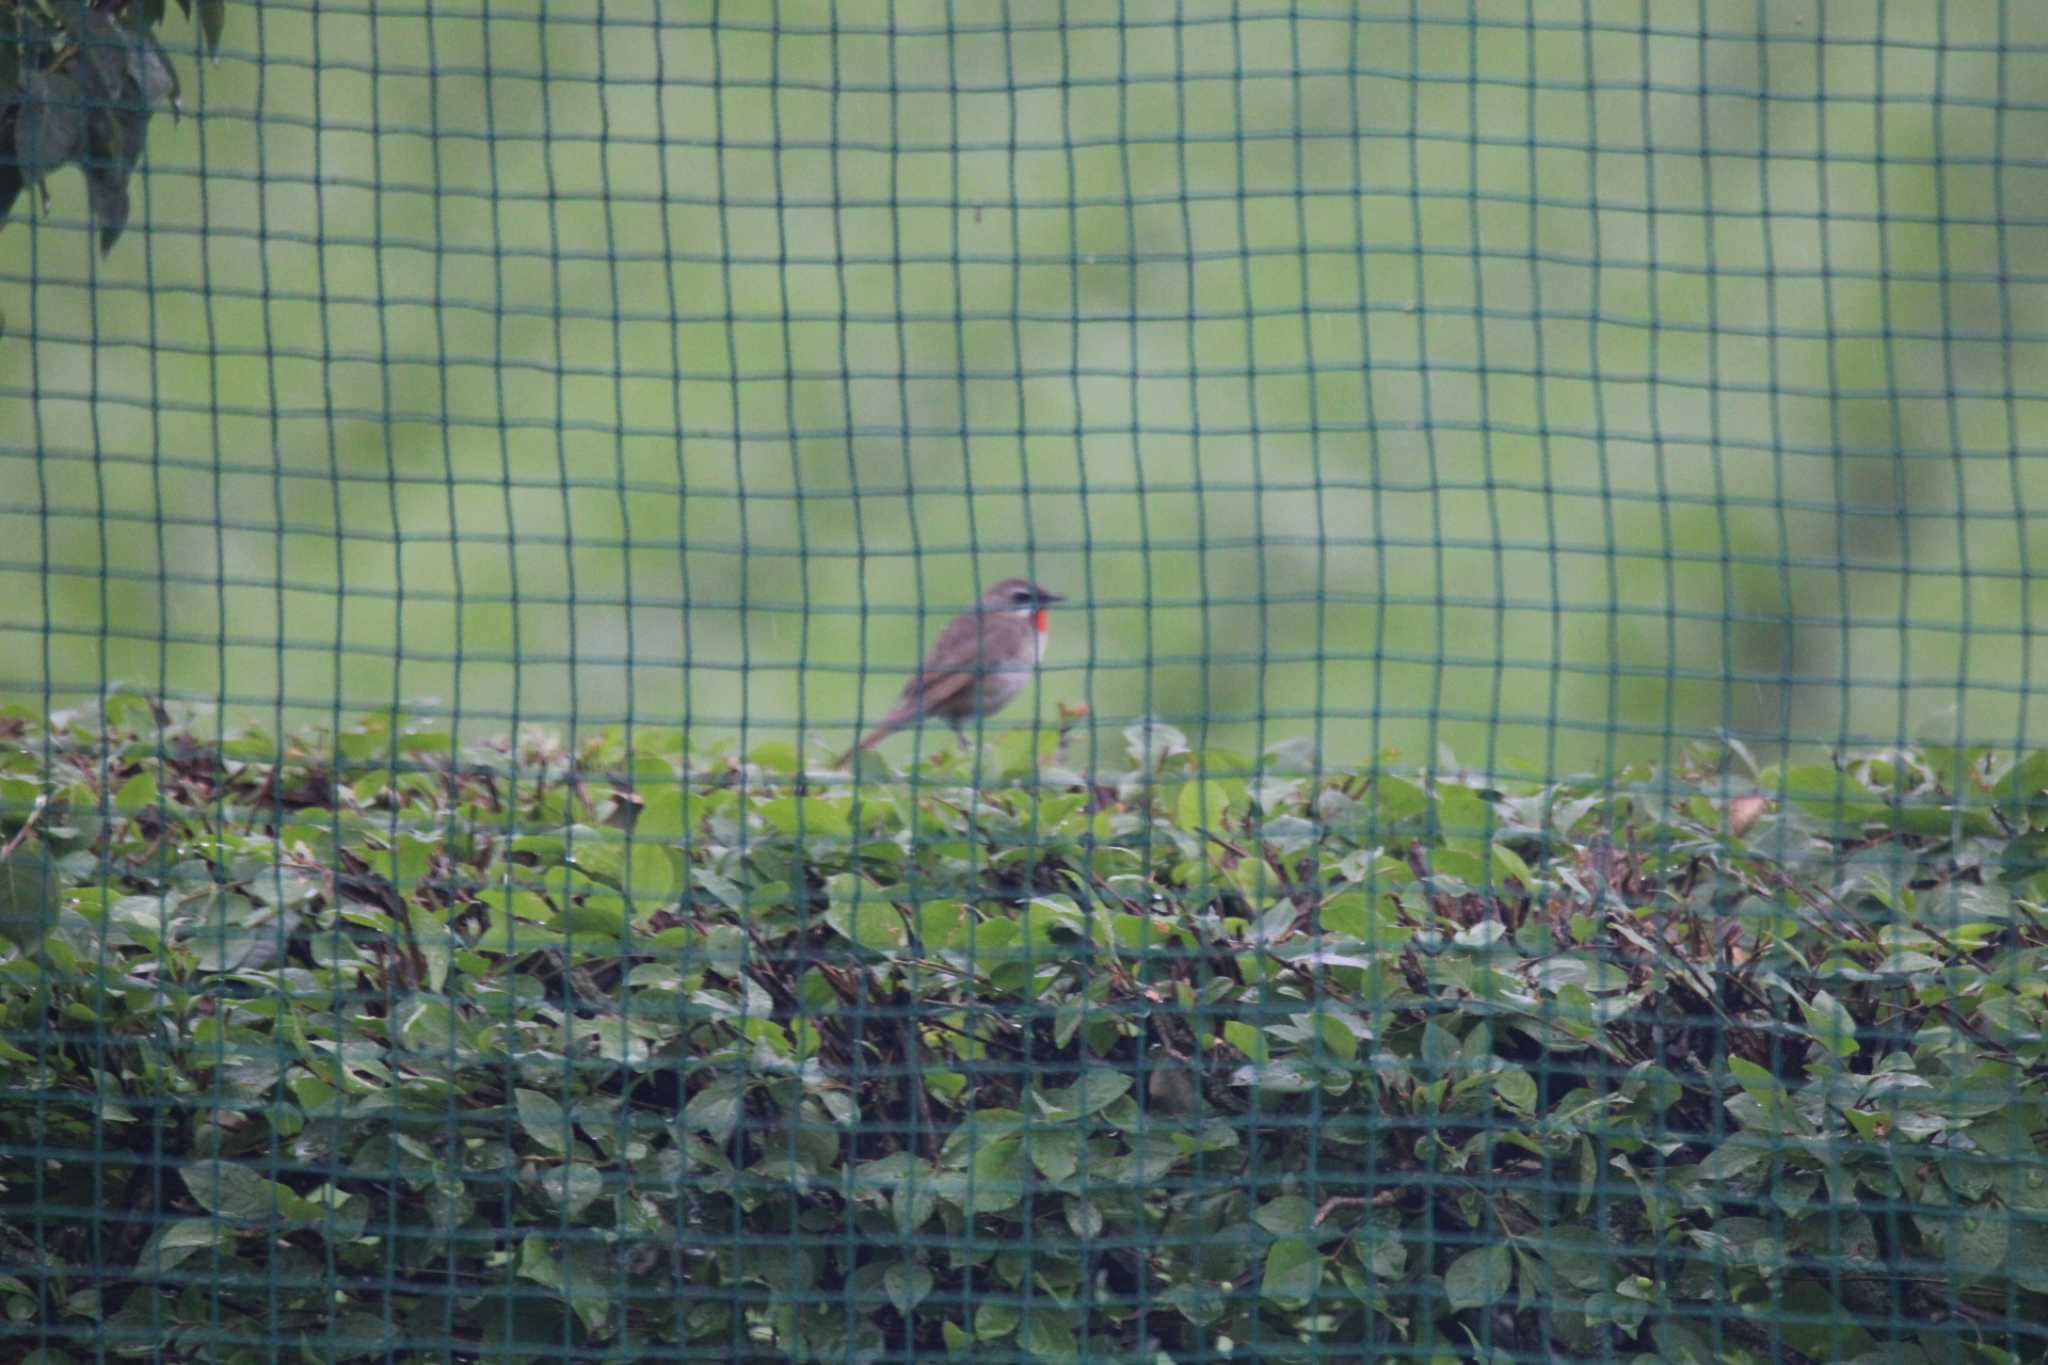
1020,595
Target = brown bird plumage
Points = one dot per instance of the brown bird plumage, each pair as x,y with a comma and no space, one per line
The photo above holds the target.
982,659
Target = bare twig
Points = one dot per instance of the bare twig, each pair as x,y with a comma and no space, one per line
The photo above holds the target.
26,825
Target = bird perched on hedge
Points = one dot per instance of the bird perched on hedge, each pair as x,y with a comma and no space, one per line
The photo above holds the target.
982,659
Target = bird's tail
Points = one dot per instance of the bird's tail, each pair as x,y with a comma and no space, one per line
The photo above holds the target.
889,725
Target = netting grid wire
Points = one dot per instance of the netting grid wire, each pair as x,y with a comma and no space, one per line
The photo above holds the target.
1494,393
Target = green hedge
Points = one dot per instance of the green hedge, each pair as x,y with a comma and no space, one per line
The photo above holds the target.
374,1045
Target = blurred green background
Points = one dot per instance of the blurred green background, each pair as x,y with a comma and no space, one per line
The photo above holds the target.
1555,380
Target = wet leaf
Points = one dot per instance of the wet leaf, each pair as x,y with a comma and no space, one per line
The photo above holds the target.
1479,1277
1294,1271
49,129
153,75
107,196
213,20
10,58
907,1284
28,895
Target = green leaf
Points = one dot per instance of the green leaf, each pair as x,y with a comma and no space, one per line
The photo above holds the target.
213,21
1338,1031
596,917
1056,1152
572,1186
1203,802
2023,791
1288,1216
1816,1323
616,1041
1047,1335
509,934
1350,914
860,912
1025,751
809,817
715,1110
912,1203
1516,1089
669,815
1201,1303
1755,1079
1833,796
137,794
1957,904
1151,743
907,1284
234,1191
1479,1277
1679,1344
994,1320
944,925
998,1174
1440,1051
777,756
1246,1039
542,1119
1097,1089
1294,1271
28,895
647,870
1398,799
1830,1024
177,1241
1737,1153
1509,865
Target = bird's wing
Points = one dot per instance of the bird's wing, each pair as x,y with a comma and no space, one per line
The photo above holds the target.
953,665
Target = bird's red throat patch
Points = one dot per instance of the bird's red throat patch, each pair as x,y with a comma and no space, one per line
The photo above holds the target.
1038,619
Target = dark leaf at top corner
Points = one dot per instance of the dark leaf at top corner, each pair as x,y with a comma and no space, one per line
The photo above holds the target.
49,127
213,18
10,58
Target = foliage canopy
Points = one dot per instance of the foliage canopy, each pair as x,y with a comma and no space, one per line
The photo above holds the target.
78,85
376,1042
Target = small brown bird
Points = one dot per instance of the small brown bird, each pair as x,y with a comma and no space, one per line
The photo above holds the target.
982,659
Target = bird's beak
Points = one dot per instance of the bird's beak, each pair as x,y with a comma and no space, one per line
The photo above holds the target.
1046,599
